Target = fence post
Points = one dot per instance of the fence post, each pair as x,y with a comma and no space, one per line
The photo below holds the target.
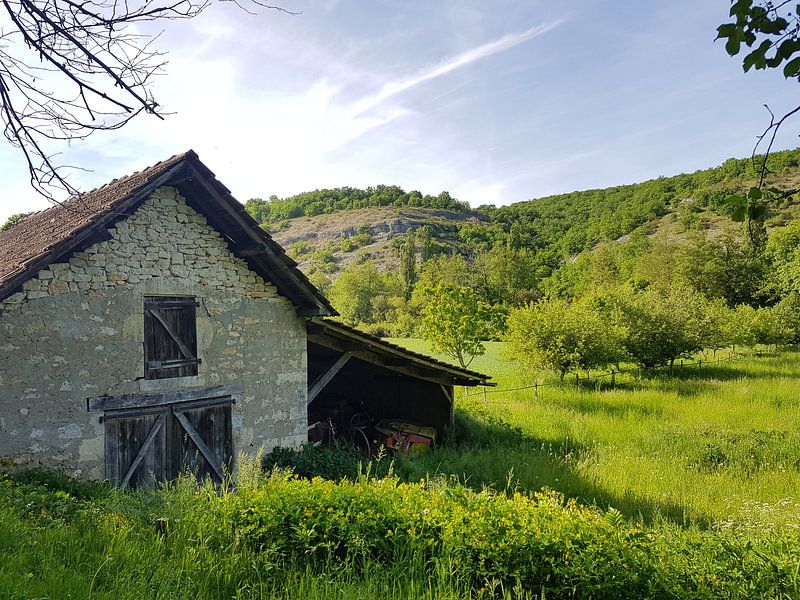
613,381
536,390
484,394
700,364
577,381
681,364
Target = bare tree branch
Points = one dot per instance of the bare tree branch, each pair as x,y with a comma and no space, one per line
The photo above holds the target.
769,134
70,68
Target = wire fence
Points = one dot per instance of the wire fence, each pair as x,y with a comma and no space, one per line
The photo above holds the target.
610,376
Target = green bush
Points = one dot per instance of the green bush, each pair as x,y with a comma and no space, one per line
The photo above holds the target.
529,541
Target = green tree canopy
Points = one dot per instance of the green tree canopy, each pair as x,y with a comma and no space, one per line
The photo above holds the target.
562,337
456,322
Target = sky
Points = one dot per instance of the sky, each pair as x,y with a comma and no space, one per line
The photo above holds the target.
494,101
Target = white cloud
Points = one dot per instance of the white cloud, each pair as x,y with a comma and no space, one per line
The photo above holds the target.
459,61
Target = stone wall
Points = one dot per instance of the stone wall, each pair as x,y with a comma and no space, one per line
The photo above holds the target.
77,331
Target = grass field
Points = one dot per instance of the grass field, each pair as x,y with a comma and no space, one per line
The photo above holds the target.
719,445
682,486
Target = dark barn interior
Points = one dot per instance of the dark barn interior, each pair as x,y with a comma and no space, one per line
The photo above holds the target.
352,374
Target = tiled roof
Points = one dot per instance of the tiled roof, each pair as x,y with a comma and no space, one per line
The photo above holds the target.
51,235
38,233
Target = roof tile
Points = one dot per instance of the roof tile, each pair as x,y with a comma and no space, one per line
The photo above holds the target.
37,233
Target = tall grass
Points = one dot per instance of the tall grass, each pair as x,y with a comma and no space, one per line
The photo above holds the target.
278,536
717,446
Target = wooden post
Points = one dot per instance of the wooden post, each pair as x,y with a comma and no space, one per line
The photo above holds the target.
536,390
577,381
613,381
484,394
681,364
700,364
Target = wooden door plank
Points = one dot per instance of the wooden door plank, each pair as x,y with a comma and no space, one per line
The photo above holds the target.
187,353
143,450
326,377
198,441
134,401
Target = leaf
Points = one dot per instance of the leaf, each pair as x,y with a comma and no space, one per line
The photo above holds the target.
773,27
792,68
789,47
757,212
727,30
754,193
732,200
732,47
739,213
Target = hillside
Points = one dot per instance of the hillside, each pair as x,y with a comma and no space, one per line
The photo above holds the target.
330,229
369,232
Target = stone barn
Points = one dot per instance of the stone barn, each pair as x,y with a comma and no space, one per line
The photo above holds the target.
151,326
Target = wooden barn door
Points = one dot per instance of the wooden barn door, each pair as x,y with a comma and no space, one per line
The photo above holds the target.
136,447
157,443
202,440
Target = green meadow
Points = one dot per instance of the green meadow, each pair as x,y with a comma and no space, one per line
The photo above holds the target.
715,445
680,485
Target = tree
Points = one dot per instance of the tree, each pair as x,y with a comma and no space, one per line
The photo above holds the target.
728,267
355,291
408,264
425,243
662,325
783,249
716,326
456,323
13,220
71,68
562,337
506,276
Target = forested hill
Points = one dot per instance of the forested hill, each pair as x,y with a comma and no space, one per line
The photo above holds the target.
554,228
326,201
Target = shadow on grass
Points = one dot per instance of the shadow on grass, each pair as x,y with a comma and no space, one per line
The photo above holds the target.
597,406
485,451
482,450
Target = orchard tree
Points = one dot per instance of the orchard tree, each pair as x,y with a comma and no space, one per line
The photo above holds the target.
744,333
662,325
456,322
716,325
768,328
71,68
787,312
557,336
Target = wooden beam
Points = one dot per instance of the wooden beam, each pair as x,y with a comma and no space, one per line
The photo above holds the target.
257,251
128,401
448,393
326,377
373,357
